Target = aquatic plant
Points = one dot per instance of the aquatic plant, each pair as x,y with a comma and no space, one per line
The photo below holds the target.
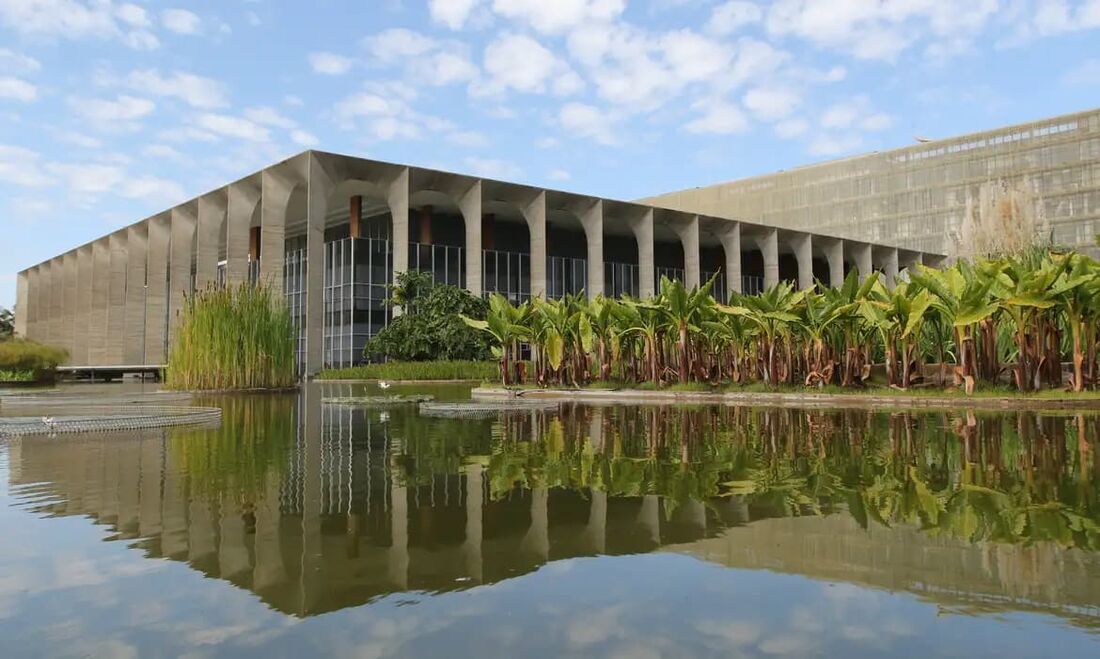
233,338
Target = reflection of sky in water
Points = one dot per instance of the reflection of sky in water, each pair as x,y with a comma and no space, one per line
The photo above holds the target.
65,592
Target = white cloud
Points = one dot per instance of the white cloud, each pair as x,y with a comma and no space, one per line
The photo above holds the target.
88,178
516,61
398,44
727,18
20,166
293,101
196,91
181,21
587,121
559,15
718,118
13,62
80,140
329,64
693,57
151,188
492,168
268,116
790,128
443,68
303,138
876,122
162,151
17,90
878,30
468,138
235,127
558,175
133,15
452,13
111,113
253,19
771,103
855,113
547,142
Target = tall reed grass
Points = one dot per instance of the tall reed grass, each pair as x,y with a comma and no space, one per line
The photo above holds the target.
233,338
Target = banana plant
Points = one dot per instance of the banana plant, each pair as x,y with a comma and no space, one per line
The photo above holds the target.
507,325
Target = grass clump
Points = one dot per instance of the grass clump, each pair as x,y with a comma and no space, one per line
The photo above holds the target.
438,370
233,338
29,361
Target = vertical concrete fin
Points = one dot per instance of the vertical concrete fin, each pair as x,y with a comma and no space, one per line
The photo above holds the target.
116,302
469,204
183,219
641,225
535,214
137,238
592,220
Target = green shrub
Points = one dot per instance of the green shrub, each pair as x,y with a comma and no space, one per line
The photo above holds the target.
233,338
431,327
20,355
438,370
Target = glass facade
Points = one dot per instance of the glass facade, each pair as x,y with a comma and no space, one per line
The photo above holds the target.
357,276
506,273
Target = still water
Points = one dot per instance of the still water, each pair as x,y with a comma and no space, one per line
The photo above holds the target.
300,528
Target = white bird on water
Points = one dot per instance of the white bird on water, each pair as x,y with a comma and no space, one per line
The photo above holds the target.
382,384
48,420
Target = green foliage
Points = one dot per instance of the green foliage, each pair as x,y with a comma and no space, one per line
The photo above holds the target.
25,361
989,318
7,324
233,338
431,326
394,370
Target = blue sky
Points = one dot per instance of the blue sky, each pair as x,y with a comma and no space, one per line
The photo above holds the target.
111,111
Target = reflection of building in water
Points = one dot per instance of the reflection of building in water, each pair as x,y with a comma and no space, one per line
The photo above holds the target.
359,513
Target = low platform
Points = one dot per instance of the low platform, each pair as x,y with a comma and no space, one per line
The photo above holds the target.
112,372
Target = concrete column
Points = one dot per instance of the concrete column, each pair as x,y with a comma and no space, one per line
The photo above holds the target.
802,244
469,204
397,196
151,484
642,227
650,517
769,247
398,554
471,548
269,569
233,558
58,335
156,292
730,235
137,240
68,311
592,220
537,539
890,267
862,254
22,297
116,298
688,231
242,199
179,264
313,563
274,200
31,304
318,189
202,539
97,324
43,303
834,253
596,529
209,233
85,270
535,214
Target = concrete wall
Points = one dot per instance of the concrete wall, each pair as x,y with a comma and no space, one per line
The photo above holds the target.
916,197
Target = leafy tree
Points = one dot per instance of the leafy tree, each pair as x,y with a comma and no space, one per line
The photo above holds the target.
7,323
431,326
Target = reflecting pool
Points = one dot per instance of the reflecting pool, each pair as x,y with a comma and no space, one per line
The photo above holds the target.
300,527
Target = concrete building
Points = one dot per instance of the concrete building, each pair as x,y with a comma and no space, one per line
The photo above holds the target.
113,302
916,197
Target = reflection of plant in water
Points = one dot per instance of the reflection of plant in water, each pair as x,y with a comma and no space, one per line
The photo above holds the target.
236,459
1003,478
